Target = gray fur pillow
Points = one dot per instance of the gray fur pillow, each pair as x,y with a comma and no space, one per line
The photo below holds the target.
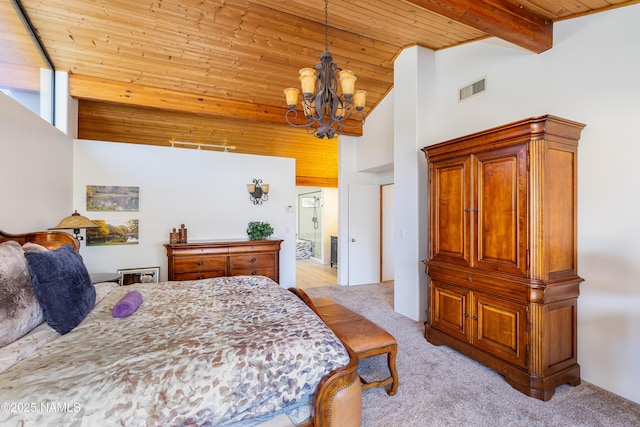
19,308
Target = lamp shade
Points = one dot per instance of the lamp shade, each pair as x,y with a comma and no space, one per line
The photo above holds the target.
347,82
74,221
359,98
308,81
291,95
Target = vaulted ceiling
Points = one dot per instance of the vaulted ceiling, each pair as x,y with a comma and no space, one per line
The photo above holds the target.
212,71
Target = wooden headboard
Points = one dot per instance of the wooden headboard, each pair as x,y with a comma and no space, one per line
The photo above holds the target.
49,239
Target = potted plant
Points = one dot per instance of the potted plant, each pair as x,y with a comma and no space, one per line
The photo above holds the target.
258,230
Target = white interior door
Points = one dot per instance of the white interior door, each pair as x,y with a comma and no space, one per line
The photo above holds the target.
364,234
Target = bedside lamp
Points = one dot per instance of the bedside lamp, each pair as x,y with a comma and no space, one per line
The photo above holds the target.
75,222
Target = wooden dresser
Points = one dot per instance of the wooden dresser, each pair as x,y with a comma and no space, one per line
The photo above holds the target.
502,261
216,258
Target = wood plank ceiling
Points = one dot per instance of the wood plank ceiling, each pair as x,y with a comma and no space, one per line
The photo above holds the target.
212,71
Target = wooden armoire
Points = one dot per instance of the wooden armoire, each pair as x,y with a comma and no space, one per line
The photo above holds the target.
502,256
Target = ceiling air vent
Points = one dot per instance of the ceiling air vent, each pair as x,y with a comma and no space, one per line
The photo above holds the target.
472,89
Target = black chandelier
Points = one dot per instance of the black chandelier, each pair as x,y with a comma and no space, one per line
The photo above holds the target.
326,111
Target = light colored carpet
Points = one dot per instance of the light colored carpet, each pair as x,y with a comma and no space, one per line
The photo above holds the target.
441,387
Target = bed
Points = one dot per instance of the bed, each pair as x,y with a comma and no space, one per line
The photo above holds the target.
227,351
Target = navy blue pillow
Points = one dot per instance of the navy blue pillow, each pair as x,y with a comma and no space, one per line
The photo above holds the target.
63,287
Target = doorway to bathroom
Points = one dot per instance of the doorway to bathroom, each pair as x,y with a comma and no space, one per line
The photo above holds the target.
317,226
310,224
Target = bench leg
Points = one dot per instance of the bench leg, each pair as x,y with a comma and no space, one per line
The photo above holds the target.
391,362
392,380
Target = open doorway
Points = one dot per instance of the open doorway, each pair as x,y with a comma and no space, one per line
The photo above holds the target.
316,224
310,225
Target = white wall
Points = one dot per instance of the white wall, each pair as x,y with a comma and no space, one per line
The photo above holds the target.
36,173
375,151
387,204
590,76
205,190
66,107
414,127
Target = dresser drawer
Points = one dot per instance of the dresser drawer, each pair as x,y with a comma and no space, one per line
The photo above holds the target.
199,263
195,275
255,271
252,260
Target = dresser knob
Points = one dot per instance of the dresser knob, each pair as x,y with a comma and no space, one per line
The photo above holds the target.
469,279
253,273
200,263
253,260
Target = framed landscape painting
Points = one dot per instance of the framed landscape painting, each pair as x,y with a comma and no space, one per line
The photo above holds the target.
108,198
114,232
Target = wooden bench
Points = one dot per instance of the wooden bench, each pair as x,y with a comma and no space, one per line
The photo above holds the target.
365,337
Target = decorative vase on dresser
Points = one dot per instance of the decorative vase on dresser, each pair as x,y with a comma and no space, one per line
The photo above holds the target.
217,258
502,263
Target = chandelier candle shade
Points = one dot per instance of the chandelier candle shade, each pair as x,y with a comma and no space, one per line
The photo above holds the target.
324,108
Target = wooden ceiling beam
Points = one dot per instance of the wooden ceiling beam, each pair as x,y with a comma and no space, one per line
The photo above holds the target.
21,77
96,89
500,18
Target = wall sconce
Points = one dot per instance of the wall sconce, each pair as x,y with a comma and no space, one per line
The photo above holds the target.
75,222
258,192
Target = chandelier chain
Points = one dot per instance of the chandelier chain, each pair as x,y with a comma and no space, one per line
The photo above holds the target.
326,24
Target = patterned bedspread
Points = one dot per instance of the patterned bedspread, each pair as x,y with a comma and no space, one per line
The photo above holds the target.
208,352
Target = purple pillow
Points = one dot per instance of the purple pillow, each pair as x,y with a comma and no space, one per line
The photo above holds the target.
127,305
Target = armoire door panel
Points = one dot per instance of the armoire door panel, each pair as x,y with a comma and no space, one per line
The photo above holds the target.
561,229
561,335
501,203
500,328
450,206
450,310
